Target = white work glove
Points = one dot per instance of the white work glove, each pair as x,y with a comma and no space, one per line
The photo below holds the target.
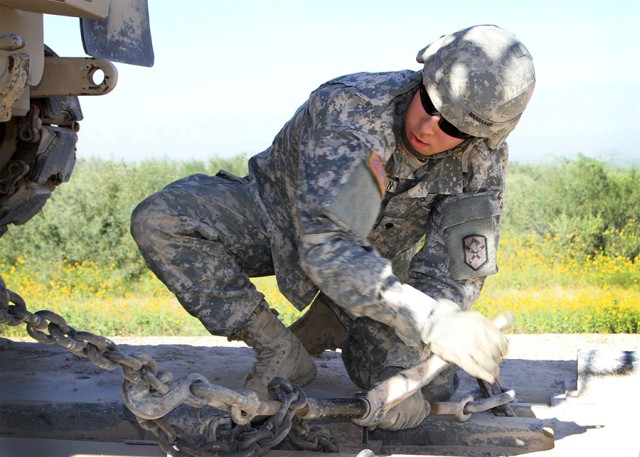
409,413
467,339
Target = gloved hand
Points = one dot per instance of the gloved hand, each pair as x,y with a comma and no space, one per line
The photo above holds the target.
469,340
407,414
466,339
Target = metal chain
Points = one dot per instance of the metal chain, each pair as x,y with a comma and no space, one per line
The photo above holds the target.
151,395
315,439
226,439
50,328
278,426
220,441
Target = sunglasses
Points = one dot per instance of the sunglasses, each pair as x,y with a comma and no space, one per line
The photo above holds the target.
444,125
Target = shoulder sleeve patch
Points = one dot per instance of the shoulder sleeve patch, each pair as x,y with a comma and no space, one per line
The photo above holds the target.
377,169
357,201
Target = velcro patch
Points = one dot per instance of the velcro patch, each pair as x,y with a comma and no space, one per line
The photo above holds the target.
356,203
377,169
475,251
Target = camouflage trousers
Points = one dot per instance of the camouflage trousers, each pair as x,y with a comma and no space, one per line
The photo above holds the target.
203,238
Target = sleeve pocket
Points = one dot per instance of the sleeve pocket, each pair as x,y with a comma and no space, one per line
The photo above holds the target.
470,228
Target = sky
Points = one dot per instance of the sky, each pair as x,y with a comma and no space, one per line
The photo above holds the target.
229,74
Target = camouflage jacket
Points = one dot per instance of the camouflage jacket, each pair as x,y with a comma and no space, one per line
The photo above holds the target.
349,210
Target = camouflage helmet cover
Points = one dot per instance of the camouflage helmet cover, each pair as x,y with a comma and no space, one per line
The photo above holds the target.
480,79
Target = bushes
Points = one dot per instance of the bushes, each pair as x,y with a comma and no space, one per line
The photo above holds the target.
568,255
88,217
587,206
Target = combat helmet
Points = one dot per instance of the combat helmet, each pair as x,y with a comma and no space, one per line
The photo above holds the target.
480,79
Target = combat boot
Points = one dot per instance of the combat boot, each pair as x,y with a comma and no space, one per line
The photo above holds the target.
279,353
319,329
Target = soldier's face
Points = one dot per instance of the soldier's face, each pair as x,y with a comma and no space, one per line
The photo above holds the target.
423,132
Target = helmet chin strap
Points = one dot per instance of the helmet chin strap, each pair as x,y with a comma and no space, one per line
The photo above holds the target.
467,150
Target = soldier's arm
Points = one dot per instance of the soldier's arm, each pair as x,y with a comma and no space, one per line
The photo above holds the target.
340,188
462,237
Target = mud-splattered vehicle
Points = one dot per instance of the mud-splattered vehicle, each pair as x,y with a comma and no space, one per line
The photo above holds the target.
39,108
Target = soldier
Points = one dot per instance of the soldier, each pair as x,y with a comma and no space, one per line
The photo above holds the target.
381,199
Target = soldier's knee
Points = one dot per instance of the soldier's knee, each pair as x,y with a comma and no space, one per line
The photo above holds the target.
149,219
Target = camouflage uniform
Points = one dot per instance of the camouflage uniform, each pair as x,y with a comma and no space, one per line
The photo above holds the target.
337,204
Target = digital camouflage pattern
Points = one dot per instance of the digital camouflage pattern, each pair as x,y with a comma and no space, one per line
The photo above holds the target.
313,212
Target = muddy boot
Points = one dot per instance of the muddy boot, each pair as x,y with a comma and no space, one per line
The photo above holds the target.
319,329
279,353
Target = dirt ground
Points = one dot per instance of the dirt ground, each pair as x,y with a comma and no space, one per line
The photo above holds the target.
541,368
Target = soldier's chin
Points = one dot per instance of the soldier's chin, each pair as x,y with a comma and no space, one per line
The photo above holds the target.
419,145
